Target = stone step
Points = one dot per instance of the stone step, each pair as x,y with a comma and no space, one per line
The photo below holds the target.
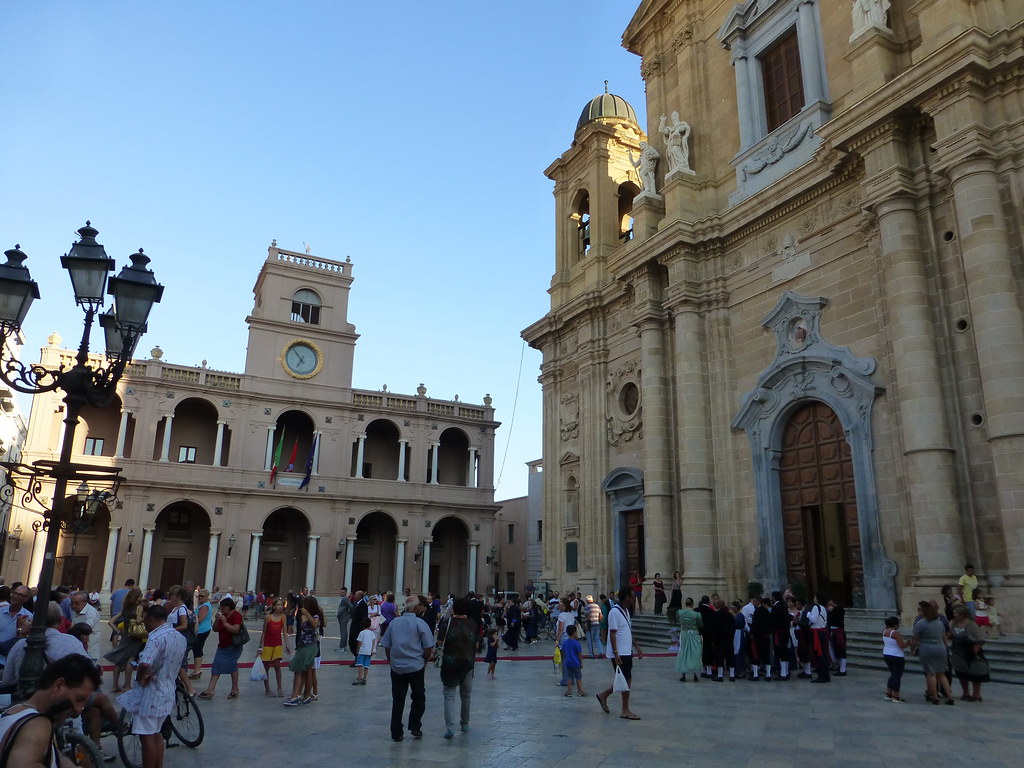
864,644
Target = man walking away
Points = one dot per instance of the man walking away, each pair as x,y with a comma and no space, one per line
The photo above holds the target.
345,608
620,650
409,645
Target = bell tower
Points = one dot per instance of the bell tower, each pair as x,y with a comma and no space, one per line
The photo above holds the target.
299,330
595,183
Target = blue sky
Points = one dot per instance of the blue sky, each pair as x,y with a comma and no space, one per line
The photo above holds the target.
409,136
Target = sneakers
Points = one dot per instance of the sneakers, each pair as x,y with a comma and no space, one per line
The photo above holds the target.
293,702
417,734
449,733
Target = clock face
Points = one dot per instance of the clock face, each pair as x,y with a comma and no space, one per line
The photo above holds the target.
302,359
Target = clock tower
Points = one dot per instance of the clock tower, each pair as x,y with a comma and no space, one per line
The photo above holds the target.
299,329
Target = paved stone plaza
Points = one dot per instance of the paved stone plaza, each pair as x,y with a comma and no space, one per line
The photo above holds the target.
522,718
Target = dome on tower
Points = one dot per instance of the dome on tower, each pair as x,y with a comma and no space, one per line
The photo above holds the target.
606,105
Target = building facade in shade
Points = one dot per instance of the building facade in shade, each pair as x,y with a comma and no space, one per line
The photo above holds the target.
373,489
786,340
13,431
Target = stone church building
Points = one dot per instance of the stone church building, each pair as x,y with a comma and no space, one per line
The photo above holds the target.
786,340
400,488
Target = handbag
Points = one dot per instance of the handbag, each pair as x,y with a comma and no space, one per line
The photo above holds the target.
137,630
241,637
619,684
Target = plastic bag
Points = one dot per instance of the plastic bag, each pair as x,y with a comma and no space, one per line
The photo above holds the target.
619,684
556,659
258,673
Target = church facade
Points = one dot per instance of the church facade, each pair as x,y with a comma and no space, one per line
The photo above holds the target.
786,341
280,477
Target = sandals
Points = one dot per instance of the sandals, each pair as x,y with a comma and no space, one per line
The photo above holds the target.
195,675
630,716
602,702
205,695
233,695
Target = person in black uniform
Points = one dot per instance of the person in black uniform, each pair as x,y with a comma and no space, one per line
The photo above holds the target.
760,640
707,634
781,622
723,631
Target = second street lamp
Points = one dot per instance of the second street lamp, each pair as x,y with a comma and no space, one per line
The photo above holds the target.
135,291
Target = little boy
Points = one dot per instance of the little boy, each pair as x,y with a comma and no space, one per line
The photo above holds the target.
366,646
572,658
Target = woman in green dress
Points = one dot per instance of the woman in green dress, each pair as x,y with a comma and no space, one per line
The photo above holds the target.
690,643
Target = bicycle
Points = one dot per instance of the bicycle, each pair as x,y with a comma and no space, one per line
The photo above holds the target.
185,722
76,746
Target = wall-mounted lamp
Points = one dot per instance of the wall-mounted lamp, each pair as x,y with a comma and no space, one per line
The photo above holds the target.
341,548
231,543
490,557
131,539
15,536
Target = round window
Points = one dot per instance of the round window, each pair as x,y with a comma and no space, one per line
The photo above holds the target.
629,398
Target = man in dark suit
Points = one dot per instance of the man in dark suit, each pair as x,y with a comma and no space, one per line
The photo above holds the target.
781,622
359,613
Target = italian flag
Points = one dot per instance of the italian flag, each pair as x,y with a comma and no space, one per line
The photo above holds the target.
277,458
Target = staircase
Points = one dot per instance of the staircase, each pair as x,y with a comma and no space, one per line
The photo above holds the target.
863,644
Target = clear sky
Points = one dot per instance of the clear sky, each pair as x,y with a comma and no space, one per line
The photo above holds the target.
409,136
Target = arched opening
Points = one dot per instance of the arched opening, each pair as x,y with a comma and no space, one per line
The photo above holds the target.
181,545
626,192
581,215
306,307
284,550
193,433
81,556
380,451
373,564
819,505
449,557
97,434
293,443
453,464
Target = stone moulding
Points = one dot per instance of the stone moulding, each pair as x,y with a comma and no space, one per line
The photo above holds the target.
624,487
807,367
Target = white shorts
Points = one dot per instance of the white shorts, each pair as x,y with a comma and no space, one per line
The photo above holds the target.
316,662
143,725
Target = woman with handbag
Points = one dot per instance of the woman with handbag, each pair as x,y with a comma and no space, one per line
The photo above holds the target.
969,663
132,637
204,625
178,619
231,637
306,649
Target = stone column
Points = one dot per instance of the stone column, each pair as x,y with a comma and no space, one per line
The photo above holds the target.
401,462
435,450
311,562
425,562
471,479
122,433
111,559
657,455
474,548
927,448
268,462
748,133
807,31
165,449
695,461
218,447
211,560
400,568
318,436
361,442
254,561
147,556
350,554
998,336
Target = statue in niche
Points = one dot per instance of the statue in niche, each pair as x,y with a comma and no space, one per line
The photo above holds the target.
645,166
870,13
677,137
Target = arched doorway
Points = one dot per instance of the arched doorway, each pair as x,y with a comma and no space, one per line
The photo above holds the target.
283,552
373,564
449,558
181,545
819,504
81,556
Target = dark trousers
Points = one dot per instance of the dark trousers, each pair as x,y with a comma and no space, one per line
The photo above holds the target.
820,653
400,685
895,665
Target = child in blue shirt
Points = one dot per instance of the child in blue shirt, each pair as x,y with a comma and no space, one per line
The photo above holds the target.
572,658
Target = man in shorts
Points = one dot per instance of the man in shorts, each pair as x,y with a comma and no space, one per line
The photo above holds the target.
620,650
152,700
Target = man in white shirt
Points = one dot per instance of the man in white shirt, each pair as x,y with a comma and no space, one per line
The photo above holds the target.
58,645
82,612
620,650
15,620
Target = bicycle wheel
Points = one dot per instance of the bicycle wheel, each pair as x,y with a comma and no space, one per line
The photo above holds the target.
186,720
128,744
80,750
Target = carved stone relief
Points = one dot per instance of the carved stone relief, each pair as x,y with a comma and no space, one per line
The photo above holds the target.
569,416
624,409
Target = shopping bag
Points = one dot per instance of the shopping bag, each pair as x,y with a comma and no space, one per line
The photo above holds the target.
619,684
556,659
258,673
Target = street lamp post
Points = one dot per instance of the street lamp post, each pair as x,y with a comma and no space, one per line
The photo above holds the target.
135,291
